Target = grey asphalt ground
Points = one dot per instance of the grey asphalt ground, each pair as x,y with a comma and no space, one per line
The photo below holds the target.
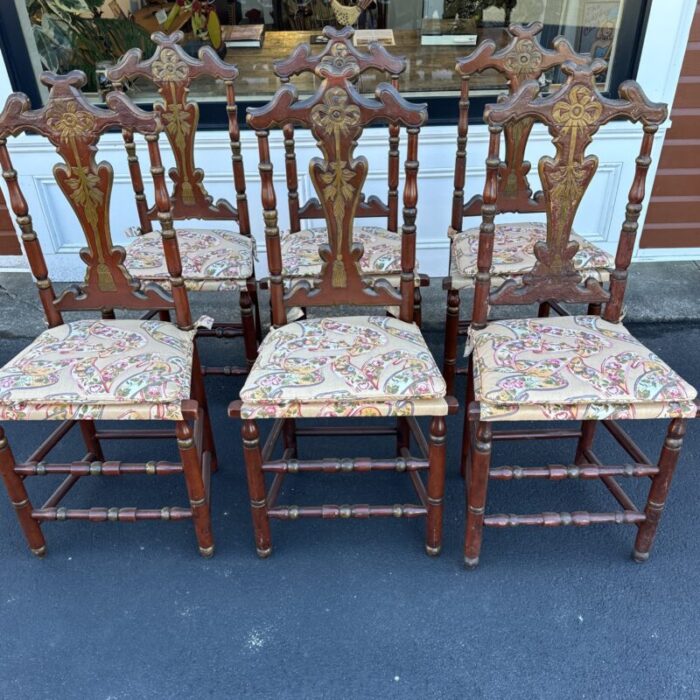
354,609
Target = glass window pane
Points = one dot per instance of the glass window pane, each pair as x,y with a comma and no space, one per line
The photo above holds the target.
431,34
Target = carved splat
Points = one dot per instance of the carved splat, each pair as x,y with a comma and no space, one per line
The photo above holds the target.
522,59
573,116
336,115
74,127
173,71
338,53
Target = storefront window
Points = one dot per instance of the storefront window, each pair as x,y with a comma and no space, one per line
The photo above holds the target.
431,34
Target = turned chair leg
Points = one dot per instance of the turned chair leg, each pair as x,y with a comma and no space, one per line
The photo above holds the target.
289,436
449,366
256,487
476,493
92,444
252,287
196,490
659,489
20,499
436,486
465,456
249,333
403,435
200,395
417,307
585,442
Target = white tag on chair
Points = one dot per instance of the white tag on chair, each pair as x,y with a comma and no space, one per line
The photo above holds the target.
204,322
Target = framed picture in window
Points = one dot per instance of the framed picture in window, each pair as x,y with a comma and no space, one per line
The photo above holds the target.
598,25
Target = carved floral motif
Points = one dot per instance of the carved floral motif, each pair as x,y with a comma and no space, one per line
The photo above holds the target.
335,118
69,122
339,61
526,58
579,110
168,67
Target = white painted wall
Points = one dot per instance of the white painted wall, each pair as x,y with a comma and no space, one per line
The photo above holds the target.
599,218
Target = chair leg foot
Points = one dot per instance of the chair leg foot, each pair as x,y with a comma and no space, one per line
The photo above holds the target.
471,563
196,491
436,485
19,498
256,487
39,552
640,557
476,487
207,552
659,489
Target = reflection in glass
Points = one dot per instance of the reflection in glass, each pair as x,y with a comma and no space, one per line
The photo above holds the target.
431,34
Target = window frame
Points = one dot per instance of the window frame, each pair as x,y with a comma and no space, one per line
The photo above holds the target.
442,109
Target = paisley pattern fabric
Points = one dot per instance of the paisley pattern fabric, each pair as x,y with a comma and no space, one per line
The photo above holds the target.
116,370
212,260
339,367
572,368
513,254
382,252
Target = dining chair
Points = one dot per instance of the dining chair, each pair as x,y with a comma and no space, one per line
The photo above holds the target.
100,369
586,368
522,59
342,366
214,259
300,243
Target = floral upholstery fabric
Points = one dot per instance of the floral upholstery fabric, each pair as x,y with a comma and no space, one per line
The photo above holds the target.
349,366
382,251
212,259
572,368
513,254
116,370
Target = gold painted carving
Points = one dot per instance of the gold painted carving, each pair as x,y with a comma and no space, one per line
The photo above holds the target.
335,117
71,125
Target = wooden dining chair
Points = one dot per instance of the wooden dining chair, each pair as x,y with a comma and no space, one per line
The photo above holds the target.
585,368
84,371
216,258
382,244
522,59
332,366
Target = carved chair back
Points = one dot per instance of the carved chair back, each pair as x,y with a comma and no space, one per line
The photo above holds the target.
74,127
338,50
172,71
522,59
336,115
573,115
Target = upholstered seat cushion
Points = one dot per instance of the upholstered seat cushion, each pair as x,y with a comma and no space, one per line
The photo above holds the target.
349,366
572,368
382,251
513,254
117,370
212,259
